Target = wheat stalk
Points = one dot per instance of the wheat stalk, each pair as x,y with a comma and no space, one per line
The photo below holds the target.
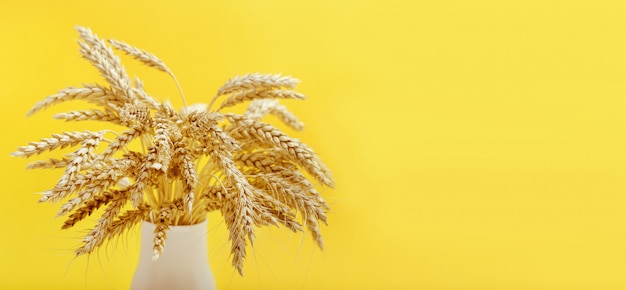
189,163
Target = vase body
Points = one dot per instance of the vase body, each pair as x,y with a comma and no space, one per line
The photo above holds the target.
183,264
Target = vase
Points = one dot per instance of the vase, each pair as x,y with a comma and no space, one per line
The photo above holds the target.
183,264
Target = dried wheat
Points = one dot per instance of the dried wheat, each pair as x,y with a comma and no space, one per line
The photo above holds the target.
257,81
287,117
191,161
122,140
92,115
92,205
100,232
58,141
251,95
50,163
93,94
102,57
143,56
271,135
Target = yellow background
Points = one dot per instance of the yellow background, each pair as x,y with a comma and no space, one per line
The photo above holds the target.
475,144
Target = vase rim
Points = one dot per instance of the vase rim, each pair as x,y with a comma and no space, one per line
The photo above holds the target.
178,227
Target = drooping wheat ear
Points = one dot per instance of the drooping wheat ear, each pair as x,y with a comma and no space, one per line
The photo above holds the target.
92,115
314,227
94,183
162,141
250,95
296,196
127,220
100,232
239,215
238,210
307,192
124,222
239,221
312,199
78,159
71,180
90,93
270,210
97,179
260,108
102,57
287,117
166,213
190,179
143,176
270,135
58,141
160,234
143,56
92,205
307,189
287,220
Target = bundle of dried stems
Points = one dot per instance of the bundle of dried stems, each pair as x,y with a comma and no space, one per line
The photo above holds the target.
191,161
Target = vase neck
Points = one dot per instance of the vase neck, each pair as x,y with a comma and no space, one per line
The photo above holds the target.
183,264
183,243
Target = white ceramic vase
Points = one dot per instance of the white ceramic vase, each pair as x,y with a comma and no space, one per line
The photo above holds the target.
184,263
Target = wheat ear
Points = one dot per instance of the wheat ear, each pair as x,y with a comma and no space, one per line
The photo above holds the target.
50,163
102,57
254,81
92,205
143,56
262,107
251,95
91,115
93,94
148,59
257,81
268,134
57,141
100,232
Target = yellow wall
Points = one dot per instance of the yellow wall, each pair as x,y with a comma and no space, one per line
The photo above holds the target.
475,144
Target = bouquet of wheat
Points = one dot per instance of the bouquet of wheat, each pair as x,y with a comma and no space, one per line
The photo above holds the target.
188,162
